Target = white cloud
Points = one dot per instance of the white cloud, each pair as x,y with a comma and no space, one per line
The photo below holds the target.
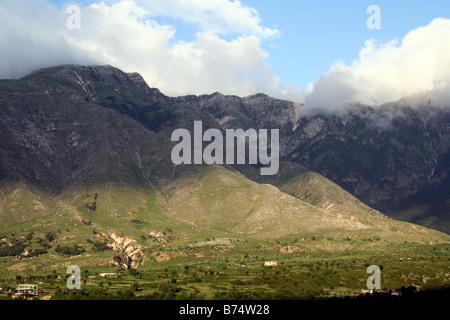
388,72
125,34
218,16
29,39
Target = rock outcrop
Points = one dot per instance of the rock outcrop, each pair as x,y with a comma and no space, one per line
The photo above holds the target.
130,254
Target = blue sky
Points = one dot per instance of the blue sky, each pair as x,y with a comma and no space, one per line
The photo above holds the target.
319,53
315,34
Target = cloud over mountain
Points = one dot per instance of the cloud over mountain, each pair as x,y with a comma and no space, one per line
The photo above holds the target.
389,71
225,55
33,34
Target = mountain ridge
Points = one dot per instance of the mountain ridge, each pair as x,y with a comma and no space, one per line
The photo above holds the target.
99,96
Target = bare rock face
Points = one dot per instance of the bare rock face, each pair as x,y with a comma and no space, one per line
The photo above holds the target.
394,157
130,255
67,126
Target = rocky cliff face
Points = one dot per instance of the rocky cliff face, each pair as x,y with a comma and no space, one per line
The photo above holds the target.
256,111
55,133
72,125
388,157
130,252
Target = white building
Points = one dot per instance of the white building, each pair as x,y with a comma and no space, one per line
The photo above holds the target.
104,275
27,289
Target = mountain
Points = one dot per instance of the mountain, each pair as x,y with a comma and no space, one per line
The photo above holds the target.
87,180
73,130
394,158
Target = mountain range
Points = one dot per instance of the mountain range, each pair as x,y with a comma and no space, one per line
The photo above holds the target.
69,132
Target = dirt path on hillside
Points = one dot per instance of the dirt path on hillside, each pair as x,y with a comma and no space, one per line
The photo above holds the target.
72,210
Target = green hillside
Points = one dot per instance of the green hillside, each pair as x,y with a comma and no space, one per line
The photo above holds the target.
207,236
323,193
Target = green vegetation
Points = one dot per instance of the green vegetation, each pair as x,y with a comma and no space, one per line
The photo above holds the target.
71,251
100,246
239,272
14,249
208,236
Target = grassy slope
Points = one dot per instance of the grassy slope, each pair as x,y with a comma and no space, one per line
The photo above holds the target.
227,201
214,200
323,193
215,219
20,202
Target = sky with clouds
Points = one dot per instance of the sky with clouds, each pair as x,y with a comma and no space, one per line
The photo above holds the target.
320,53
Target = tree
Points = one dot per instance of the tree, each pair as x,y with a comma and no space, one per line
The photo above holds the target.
73,251
135,286
100,246
133,272
50,236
